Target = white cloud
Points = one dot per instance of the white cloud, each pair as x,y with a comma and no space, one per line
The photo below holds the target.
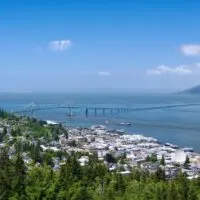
191,49
163,69
59,45
104,73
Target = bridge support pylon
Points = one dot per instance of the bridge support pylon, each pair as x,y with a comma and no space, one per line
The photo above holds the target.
86,112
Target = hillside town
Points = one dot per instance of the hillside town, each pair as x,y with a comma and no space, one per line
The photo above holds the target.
134,151
118,151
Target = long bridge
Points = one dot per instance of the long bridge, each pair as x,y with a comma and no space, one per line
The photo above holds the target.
32,108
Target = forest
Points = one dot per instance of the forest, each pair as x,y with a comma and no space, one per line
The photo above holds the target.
92,181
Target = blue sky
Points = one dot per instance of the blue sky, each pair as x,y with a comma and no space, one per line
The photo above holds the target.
63,45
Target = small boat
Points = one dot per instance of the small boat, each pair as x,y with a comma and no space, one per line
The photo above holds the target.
188,149
125,123
119,131
99,127
71,115
111,130
171,145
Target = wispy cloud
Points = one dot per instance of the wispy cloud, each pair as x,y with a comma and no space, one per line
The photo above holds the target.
59,45
163,69
191,49
104,73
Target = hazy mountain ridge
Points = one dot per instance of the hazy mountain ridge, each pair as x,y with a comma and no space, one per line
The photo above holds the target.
194,90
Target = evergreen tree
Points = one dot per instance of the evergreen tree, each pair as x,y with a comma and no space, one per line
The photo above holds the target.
183,186
110,158
70,172
160,174
119,183
72,143
35,153
192,192
19,181
171,191
65,132
162,161
187,162
18,147
152,158
41,183
3,134
47,159
6,174
4,131
13,133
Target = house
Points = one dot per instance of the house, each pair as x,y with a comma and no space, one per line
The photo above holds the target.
83,160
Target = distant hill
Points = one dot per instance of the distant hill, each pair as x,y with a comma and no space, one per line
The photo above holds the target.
194,90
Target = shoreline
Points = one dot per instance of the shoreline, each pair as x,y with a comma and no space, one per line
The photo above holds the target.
123,132
137,149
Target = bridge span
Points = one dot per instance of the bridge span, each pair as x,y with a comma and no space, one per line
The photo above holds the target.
89,109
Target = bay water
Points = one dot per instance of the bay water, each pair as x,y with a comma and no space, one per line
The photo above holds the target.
178,125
